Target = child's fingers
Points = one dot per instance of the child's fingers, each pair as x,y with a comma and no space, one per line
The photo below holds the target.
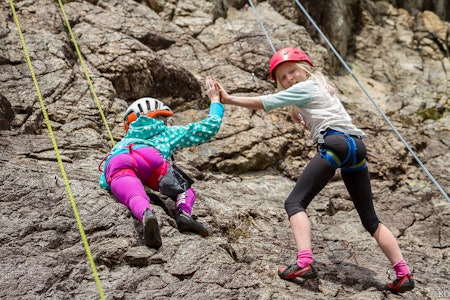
217,85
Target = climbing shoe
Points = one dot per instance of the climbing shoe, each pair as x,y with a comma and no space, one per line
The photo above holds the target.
294,271
152,236
401,285
186,222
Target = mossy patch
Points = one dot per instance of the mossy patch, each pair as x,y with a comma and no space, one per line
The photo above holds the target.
433,113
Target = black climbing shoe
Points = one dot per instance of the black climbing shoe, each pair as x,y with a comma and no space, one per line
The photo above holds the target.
401,285
152,237
294,271
185,222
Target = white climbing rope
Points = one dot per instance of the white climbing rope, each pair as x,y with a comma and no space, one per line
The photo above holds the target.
262,25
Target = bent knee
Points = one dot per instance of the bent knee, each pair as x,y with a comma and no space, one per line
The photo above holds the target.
292,207
372,226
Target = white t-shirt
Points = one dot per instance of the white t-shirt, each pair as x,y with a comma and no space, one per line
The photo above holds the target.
319,109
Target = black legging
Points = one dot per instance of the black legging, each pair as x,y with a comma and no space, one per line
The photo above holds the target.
318,173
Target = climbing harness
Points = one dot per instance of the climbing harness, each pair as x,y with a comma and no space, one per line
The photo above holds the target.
333,159
362,88
58,157
157,173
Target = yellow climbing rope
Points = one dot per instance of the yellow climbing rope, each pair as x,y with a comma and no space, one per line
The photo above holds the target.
88,78
58,157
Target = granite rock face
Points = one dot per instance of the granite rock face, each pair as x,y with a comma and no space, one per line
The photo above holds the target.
165,49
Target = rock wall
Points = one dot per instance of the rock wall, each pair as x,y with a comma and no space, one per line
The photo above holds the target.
439,7
165,49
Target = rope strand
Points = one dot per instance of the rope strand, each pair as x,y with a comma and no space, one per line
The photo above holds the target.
262,25
88,78
58,157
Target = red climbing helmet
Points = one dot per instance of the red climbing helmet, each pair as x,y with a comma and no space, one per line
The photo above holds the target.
147,106
287,54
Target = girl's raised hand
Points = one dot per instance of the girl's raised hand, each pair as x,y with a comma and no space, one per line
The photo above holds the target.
211,90
224,96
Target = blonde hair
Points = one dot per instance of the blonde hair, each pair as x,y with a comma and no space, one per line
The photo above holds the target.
322,80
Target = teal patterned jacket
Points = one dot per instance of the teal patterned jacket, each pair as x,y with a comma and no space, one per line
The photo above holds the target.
146,132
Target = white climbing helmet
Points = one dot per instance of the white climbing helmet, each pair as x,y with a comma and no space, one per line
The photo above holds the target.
146,106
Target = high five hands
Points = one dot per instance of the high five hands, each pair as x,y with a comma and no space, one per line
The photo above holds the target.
216,92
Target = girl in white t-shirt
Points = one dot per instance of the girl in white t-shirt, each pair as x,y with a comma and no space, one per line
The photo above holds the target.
312,101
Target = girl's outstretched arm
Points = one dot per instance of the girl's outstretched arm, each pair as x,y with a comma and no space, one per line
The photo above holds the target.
243,101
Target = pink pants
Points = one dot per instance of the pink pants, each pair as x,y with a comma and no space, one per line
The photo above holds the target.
128,173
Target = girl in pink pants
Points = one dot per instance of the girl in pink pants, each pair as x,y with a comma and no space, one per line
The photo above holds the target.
127,174
141,159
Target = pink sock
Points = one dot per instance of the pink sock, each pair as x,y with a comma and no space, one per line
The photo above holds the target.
304,258
186,200
401,269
